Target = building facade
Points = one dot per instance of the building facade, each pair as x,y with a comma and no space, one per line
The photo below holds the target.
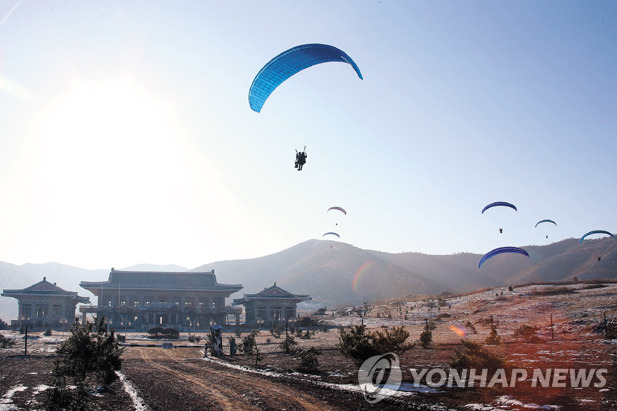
140,300
45,305
270,305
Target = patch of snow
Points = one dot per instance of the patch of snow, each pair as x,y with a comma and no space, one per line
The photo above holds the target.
406,389
7,399
40,388
130,389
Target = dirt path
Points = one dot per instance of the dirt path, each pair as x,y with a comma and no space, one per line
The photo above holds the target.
169,379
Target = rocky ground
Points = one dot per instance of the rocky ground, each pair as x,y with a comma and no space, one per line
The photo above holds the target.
180,378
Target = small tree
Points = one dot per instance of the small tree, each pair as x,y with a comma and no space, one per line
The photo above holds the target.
493,338
88,358
308,360
475,356
249,344
527,333
288,345
6,342
356,344
391,340
426,338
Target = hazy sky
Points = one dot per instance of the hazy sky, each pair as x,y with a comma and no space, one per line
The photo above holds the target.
126,135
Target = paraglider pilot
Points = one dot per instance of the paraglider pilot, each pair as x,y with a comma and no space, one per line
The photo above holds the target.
300,159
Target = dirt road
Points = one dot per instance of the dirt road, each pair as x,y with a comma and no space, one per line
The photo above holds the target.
180,379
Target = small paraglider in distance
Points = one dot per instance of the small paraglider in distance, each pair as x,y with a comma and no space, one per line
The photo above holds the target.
501,231
300,159
341,209
545,221
331,233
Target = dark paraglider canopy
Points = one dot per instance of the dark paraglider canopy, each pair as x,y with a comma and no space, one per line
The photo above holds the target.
341,209
290,62
499,203
331,233
501,250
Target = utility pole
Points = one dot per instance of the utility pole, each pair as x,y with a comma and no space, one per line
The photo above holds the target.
26,341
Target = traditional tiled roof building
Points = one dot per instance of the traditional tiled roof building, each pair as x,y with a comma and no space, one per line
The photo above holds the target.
45,304
271,304
143,299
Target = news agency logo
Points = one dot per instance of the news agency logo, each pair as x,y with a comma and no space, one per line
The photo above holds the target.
379,377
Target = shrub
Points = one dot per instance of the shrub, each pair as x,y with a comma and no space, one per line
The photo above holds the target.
6,342
475,356
306,322
90,351
493,338
47,333
527,333
391,340
471,327
159,333
89,358
356,344
249,344
288,345
426,338
308,360
3,325
276,331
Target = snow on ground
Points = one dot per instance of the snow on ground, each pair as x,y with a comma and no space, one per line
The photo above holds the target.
6,402
138,402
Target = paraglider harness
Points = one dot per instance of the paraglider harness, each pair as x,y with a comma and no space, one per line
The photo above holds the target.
300,159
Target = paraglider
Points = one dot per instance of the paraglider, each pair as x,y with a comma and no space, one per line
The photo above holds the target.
545,221
499,203
496,204
501,250
596,232
290,62
300,159
341,209
331,233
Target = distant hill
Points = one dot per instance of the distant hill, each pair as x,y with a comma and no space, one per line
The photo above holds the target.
331,272
336,273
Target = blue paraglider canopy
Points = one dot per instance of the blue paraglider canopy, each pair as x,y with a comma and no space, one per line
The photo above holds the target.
499,203
545,221
501,250
290,62
596,232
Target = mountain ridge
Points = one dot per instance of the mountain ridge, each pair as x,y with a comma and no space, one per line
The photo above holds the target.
336,273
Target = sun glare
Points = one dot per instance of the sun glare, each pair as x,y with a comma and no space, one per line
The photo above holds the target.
115,157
